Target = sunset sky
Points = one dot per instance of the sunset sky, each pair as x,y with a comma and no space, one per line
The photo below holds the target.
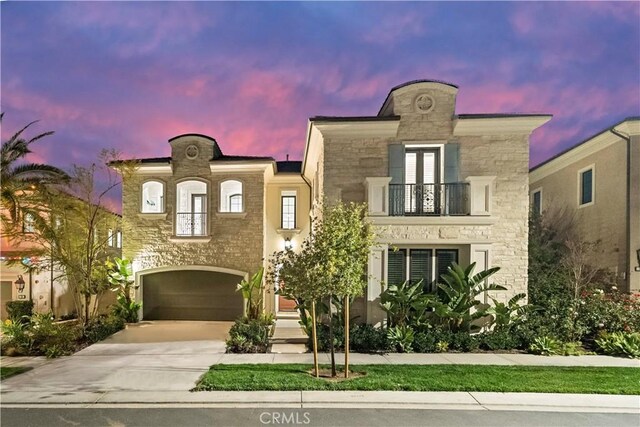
132,75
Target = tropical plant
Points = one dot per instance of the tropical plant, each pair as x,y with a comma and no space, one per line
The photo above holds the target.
545,346
401,338
20,311
250,335
456,306
120,277
505,313
22,182
252,292
126,309
406,304
620,344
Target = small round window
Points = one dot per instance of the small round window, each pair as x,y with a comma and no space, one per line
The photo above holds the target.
192,152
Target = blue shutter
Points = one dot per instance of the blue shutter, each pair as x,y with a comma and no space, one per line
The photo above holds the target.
452,162
396,163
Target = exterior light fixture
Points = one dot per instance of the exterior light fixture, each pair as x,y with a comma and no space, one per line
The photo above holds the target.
19,283
287,244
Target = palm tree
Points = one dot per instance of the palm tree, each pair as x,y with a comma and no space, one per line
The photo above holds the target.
18,180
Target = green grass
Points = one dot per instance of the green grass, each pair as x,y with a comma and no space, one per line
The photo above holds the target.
8,371
536,379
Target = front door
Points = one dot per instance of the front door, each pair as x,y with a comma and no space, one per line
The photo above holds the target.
422,179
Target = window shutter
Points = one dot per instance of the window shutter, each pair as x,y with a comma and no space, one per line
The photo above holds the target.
396,274
444,258
452,162
420,267
396,163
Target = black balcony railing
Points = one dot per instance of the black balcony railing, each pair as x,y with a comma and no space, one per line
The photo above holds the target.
191,224
429,199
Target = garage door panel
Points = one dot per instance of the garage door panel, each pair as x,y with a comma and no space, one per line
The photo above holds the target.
191,295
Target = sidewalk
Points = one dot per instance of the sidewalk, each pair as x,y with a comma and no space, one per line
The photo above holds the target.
547,402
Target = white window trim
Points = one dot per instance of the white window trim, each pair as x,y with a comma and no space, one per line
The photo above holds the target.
593,186
228,212
164,199
289,193
174,236
537,190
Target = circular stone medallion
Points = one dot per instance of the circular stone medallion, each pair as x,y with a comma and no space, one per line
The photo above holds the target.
192,152
424,103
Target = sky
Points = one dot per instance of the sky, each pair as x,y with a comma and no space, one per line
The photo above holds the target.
131,75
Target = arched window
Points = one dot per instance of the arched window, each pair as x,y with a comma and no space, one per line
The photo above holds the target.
231,196
191,208
152,197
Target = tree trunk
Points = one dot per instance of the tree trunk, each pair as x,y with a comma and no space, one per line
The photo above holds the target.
346,336
314,338
333,352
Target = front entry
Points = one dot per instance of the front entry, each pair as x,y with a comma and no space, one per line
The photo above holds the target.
191,295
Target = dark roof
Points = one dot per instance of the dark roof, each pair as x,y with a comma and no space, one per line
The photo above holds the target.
500,115
412,82
193,134
583,142
353,118
224,158
289,166
238,158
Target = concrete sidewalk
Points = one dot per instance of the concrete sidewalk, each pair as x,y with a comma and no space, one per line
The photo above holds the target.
479,401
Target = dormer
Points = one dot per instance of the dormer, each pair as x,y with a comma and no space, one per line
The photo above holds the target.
421,98
193,151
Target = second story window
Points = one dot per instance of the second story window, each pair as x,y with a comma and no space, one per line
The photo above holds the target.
586,186
191,208
536,204
288,210
110,238
152,197
119,239
231,198
29,223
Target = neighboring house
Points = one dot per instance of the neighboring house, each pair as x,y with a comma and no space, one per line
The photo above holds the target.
24,277
598,180
200,221
441,187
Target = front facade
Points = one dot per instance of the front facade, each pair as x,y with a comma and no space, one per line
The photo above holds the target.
440,187
597,182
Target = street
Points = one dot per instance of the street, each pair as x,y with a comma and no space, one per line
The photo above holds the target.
370,417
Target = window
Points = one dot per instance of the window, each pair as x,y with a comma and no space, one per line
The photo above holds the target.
110,239
288,210
29,223
191,208
586,186
231,196
119,239
152,197
421,178
537,202
419,264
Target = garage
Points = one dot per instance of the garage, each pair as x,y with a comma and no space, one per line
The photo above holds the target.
191,295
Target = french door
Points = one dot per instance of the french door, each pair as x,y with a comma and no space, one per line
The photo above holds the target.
422,179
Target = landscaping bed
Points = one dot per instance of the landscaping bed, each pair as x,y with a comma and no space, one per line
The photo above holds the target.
533,379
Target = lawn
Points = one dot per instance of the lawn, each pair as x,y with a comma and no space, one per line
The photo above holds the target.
536,379
8,371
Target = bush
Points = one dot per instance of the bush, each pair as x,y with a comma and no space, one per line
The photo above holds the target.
368,339
545,346
126,309
52,339
102,327
401,338
16,341
620,344
20,310
250,335
498,340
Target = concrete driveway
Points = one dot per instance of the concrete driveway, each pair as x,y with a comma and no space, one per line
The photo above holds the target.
158,355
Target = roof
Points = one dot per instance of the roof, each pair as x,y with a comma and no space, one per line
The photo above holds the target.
224,158
500,115
584,141
289,166
193,134
353,118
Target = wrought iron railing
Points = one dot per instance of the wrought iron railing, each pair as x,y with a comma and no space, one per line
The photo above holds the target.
191,224
429,199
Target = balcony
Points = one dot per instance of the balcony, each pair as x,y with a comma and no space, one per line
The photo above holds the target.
470,198
191,224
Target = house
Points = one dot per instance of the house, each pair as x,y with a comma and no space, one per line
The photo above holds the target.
440,186
598,182
27,271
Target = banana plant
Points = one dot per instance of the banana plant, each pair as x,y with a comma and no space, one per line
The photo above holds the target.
456,306
405,304
252,293
504,314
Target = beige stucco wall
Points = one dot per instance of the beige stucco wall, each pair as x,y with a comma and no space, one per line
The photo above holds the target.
605,219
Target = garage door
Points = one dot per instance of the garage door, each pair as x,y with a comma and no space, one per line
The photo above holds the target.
191,295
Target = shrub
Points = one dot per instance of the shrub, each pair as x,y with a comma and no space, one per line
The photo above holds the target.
102,327
250,335
498,340
424,342
620,344
52,339
368,339
20,310
15,339
545,346
614,311
401,338
126,309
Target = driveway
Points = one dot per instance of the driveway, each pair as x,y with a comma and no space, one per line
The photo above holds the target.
158,355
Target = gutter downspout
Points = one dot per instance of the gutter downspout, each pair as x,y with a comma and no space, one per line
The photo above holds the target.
628,205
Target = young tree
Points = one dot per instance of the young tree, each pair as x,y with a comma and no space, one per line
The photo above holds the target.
332,262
